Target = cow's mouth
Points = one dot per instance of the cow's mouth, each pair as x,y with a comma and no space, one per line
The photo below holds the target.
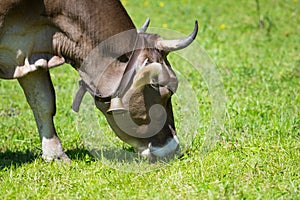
168,150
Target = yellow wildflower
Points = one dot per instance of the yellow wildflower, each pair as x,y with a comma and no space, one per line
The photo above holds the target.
124,2
222,26
164,25
295,1
146,3
161,4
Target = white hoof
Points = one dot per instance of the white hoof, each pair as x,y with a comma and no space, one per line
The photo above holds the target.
53,151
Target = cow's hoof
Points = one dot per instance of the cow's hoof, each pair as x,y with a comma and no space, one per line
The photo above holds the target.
63,157
53,151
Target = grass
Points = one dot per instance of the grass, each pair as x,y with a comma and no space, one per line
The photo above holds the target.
257,155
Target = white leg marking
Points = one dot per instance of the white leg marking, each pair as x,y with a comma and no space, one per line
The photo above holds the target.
166,150
53,150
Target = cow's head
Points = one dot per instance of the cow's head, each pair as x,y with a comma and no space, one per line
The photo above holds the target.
135,87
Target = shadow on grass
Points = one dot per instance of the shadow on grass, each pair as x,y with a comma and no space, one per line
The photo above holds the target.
116,155
16,158
79,154
128,156
10,158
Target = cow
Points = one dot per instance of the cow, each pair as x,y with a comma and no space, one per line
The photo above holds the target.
132,82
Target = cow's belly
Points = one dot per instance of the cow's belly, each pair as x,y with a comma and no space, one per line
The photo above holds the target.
20,38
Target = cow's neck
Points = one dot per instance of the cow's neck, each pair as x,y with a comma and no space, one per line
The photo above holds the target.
85,24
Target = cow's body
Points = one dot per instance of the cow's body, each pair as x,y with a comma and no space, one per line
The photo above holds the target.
20,38
36,35
72,28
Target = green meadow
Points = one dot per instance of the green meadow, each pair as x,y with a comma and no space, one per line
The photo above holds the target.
255,150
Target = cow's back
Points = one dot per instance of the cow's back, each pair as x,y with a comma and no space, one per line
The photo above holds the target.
88,23
94,19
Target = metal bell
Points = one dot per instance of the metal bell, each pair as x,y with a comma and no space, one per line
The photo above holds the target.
116,106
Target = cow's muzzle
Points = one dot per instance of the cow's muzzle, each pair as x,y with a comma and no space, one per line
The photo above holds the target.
168,150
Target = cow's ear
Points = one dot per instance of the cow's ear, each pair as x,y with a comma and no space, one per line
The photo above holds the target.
111,78
102,74
104,67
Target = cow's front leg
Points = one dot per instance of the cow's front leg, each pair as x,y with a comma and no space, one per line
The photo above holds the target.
40,95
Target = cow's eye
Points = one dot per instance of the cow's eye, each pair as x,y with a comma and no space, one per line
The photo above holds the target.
124,58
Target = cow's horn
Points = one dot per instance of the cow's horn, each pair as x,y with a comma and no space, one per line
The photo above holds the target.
172,45
143,29
116,106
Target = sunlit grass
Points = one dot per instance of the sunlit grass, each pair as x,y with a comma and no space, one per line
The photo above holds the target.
257,155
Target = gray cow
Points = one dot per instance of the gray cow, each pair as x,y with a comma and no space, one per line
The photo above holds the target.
129,76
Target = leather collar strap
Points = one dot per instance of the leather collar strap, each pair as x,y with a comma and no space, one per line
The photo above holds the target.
129,71
83,88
